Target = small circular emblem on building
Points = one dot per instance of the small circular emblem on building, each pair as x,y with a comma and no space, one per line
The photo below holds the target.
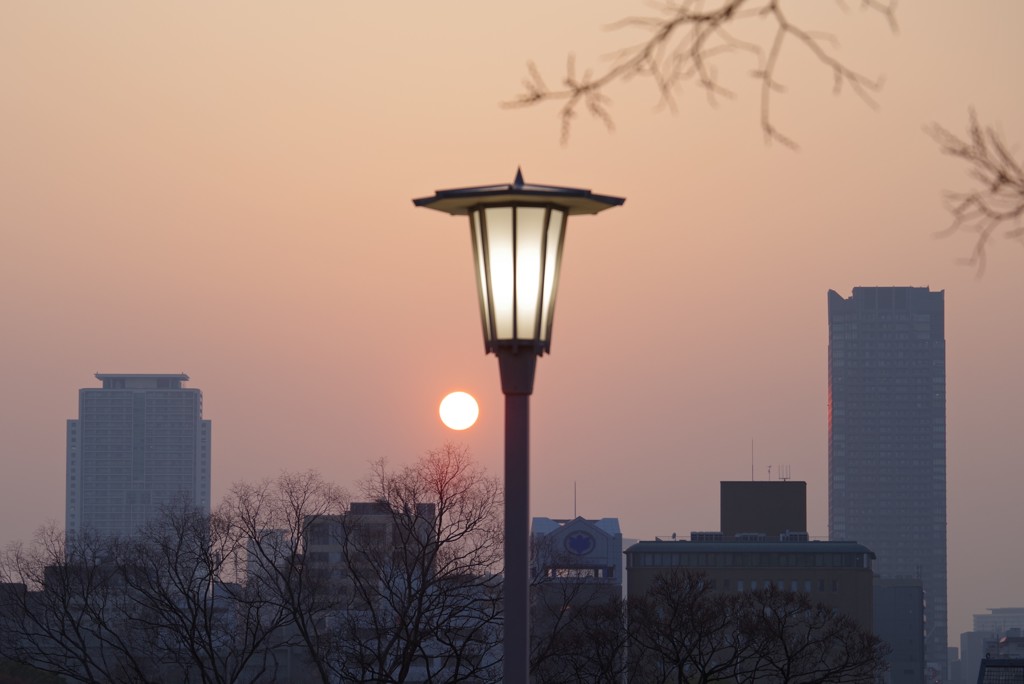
580,543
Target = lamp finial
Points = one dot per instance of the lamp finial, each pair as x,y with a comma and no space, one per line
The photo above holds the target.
518,182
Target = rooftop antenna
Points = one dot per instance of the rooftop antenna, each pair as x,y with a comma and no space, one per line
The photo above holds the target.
769,473
784,473
751,460
574,499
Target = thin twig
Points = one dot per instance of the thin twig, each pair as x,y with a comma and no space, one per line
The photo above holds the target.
996,204
684,39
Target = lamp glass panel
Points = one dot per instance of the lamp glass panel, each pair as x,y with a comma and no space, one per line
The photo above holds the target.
552,259
529,269
501,268
481,273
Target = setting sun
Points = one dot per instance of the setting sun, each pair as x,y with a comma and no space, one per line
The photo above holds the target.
459,410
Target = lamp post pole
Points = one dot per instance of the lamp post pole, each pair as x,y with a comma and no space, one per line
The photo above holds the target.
517,373
518,231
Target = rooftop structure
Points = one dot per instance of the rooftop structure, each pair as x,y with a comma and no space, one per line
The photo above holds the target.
770,507
1001,671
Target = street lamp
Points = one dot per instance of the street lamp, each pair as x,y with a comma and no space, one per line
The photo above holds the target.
518,232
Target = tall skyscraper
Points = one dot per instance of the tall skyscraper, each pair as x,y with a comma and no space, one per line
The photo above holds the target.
140,444
887,438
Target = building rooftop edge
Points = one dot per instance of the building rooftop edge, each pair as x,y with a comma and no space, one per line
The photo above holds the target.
112,376
859,288
743,546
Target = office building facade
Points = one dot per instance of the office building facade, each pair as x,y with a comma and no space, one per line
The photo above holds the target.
899,615
999,621
576,564
139,445
887,438
763,544
578,549
837,574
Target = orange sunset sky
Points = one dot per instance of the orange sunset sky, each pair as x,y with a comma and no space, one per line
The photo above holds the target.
223,189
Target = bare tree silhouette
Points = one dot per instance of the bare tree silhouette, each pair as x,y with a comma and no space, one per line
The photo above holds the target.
995,205
423,557
684,40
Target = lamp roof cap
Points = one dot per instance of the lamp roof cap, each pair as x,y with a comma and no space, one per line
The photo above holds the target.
459,201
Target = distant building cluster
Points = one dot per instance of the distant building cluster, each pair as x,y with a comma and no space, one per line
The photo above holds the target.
886,562
994,647
140,444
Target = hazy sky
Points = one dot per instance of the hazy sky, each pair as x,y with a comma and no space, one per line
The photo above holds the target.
224,189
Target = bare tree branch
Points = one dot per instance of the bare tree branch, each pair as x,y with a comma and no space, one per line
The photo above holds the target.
423,555
275,518
801,642
996,204
684,40
176,576
62,610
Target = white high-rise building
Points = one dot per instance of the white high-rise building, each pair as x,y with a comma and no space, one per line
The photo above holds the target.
140,444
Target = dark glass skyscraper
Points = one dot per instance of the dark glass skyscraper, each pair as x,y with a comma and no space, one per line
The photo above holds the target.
887,438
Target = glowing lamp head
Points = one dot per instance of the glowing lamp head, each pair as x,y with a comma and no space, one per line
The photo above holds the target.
518,232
